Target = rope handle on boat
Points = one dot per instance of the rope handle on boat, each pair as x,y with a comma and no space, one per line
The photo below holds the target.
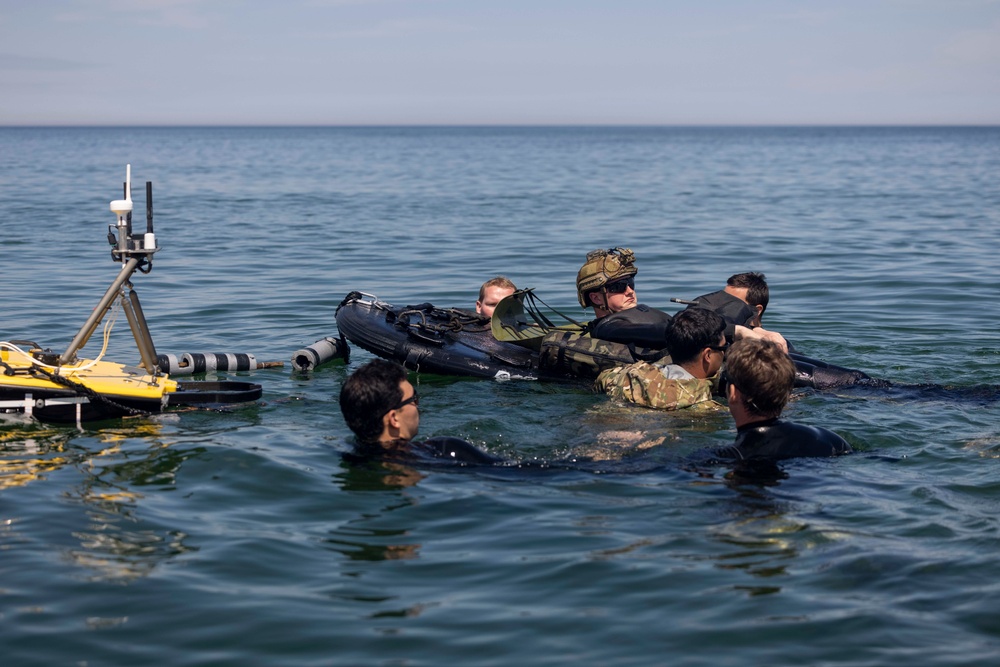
420,330
362,297
455,320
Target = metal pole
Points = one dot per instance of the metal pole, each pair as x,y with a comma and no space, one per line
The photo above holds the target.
102,308
140,331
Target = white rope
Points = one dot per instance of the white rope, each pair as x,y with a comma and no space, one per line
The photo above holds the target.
67,370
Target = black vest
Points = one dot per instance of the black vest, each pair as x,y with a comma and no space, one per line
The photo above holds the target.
642,326
733,310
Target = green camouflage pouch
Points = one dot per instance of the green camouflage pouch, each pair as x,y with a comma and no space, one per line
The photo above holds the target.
563,353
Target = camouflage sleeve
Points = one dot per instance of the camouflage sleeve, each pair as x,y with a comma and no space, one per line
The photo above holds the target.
643,384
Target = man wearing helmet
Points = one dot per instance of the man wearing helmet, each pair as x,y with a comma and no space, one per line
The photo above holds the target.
606,283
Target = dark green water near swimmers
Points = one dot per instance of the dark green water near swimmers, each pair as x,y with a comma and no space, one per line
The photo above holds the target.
244,537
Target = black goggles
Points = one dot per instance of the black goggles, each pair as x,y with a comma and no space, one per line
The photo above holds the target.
620,286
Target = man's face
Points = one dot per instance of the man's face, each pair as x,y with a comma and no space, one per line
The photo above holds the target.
494,295
718,356
620,296
408,415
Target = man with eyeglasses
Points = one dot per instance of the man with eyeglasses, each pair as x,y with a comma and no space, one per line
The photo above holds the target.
696,341
759,381
382,409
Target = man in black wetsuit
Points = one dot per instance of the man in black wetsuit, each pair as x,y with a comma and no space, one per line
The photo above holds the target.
381,407
760,378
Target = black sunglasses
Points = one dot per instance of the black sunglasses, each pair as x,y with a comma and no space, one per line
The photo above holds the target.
720,348
412,399
620,286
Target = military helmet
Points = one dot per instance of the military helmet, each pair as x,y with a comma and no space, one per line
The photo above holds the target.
603,267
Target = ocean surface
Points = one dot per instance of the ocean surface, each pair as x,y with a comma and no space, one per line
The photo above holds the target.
245,537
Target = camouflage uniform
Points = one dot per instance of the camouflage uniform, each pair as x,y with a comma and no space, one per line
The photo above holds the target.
657,386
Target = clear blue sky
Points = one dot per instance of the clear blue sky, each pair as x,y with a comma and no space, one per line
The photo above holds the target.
499,62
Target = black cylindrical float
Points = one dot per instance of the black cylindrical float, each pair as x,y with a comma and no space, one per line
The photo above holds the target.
320,352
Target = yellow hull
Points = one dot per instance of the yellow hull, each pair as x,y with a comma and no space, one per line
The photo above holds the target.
83,391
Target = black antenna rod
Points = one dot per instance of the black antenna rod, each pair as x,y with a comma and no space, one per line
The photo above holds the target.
149,207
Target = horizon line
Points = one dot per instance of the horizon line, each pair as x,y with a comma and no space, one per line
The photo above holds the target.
498,125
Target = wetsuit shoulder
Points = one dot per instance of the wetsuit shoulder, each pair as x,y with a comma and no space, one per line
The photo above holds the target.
437,450
777,439
455,450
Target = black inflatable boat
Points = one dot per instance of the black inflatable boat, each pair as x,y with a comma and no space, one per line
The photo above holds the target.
453,341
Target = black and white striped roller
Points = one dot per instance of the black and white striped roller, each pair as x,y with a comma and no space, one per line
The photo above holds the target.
206,362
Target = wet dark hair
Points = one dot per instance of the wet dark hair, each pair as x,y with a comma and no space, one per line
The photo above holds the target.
758,293
763,373
691,331
366,396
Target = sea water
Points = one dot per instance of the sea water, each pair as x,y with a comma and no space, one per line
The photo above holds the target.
245,536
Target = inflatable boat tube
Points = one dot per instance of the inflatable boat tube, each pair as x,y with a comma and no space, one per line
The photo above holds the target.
818,374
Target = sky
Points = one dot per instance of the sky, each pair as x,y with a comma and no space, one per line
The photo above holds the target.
510,62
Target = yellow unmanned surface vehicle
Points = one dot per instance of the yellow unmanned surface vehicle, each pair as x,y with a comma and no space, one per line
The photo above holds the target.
63,388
